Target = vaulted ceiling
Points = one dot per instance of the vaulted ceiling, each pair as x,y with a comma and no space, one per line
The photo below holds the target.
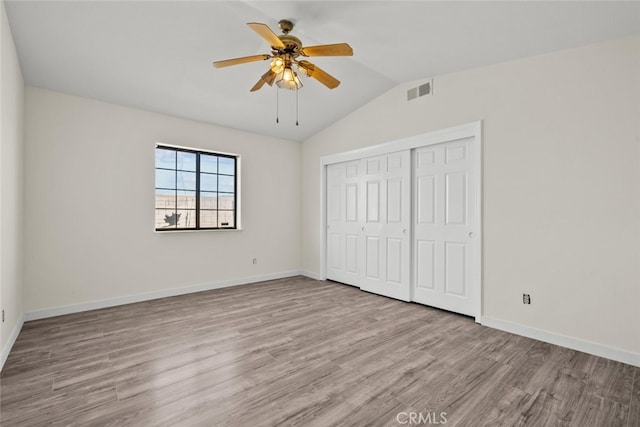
157,55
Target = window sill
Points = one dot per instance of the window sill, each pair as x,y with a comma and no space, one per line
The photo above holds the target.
223,230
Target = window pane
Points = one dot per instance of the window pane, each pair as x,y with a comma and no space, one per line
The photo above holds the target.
186,161
227,165
208,219
208,182
208,163
165,158
165,199
186,218
225,219
165,218
165,179
186,180
226,184
186,199
227,201
208,200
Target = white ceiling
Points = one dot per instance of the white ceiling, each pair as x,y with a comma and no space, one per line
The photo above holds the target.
157,55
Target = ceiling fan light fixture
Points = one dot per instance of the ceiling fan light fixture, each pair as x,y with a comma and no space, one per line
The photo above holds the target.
277,65
288,79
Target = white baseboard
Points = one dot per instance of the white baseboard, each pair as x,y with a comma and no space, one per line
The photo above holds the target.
310,274
112,302
11,341
596,349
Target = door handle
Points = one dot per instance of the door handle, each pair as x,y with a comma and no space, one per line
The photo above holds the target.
404,231
471,234
363,228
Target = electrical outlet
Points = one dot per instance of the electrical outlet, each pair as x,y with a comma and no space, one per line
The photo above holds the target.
255,260
526,299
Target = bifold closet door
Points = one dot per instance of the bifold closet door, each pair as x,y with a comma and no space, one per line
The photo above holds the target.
386,200
368,220
344,219
444,220
404,224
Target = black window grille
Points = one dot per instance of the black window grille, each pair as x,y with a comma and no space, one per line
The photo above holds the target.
195,190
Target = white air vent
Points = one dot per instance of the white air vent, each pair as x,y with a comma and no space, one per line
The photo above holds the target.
422,90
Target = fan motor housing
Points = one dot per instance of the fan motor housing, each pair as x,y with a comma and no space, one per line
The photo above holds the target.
292,44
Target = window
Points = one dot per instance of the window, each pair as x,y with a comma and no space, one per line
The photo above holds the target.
195,190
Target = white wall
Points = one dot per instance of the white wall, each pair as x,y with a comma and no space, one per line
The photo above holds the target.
89,202
561,172
11,181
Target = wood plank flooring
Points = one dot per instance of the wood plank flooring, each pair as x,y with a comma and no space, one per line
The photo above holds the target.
300,352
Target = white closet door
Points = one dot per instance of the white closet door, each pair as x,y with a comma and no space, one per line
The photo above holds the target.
444,218
385,255
343,222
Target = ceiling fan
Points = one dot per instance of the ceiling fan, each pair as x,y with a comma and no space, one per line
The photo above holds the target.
285,50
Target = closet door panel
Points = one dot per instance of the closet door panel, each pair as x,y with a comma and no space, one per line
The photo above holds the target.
444,201
387,180
343,222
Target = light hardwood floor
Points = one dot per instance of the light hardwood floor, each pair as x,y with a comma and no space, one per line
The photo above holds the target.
300,352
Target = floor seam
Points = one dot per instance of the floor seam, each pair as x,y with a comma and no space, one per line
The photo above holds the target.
633,385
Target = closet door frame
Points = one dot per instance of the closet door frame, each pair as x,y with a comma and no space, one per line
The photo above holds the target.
469,130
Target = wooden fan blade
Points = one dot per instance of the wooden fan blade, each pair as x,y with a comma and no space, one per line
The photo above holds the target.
258,85
243,60
266,33
320,75
338,49
267,78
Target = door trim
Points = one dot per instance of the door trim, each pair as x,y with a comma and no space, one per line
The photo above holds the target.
468,130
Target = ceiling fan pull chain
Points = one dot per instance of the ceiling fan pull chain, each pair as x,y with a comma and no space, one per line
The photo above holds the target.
296,107
277,106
